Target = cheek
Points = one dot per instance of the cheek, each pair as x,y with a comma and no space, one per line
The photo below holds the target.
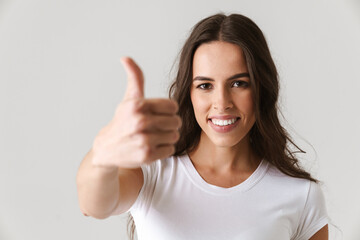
200,105
245,103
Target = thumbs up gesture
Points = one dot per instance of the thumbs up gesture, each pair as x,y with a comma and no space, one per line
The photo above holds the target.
141,131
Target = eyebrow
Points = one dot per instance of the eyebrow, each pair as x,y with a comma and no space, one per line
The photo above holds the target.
236,76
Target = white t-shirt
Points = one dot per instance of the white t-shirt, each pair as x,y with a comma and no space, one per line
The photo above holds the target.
176,203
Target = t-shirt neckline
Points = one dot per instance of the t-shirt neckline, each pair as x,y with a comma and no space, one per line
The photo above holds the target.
197,180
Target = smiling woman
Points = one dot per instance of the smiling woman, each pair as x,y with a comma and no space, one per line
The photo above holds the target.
224,95
227,171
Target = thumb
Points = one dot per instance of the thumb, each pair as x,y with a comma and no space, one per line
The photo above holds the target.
135,79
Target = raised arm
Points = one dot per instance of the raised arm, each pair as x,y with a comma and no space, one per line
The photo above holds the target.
142,130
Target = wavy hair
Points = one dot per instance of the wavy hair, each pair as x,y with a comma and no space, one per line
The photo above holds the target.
268,138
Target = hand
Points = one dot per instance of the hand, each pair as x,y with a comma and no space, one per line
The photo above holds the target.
141,131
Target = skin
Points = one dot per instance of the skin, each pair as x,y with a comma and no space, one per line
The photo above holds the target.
110,178
225,159
322,234
149,135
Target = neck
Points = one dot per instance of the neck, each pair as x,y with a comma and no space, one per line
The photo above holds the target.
239,157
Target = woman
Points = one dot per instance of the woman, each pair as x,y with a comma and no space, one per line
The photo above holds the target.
231,174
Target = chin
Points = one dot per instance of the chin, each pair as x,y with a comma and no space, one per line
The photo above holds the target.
225,143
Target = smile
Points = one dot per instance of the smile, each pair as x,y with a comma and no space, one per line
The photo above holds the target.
223,125
220,122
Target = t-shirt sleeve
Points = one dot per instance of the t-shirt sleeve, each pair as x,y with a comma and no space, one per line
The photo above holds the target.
144,198
314,215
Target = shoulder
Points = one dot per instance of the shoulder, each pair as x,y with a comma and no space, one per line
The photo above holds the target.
160,165
153,175
310,189
303,195
160,169
299,192
314,213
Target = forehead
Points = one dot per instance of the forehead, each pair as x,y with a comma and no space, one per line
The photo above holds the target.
219,59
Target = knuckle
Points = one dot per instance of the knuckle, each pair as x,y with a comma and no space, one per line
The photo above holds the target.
175,104
178,121
172,149
143,141
141,122
143,147
175,136
145,153
138,105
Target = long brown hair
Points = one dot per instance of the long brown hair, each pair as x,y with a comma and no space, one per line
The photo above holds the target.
268,138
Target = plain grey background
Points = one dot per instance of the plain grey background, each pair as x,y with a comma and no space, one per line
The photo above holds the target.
61,81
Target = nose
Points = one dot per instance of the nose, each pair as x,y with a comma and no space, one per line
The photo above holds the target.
222,99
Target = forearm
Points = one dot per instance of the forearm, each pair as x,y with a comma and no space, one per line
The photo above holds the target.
98,188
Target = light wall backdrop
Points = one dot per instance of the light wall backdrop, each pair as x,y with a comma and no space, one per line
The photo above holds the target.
61,80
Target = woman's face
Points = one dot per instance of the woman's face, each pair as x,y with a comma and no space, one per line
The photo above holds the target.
221,94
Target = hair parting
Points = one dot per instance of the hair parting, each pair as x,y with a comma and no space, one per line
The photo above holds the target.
268,138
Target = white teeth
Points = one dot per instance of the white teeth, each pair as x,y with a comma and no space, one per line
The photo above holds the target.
223,122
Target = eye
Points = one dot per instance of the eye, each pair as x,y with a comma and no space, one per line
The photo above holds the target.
204,86
240,84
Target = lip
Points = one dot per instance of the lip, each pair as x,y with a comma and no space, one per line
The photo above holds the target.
223,129
223,117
